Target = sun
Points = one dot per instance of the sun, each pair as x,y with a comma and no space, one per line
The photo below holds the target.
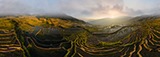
115,14
112,14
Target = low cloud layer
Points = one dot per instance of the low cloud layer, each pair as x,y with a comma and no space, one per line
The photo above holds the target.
21,7
82,9
93,9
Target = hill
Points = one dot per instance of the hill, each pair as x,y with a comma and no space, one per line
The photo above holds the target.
18,33
31,36
111,21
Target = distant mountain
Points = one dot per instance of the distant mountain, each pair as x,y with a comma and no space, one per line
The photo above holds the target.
110,21
145,17
57,15
62,16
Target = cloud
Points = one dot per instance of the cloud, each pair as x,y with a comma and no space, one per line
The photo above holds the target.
93,9
18,7
11,7
82,9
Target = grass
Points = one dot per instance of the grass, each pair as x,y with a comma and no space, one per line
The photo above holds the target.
146,38
6,24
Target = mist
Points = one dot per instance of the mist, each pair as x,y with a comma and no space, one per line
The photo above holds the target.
81,9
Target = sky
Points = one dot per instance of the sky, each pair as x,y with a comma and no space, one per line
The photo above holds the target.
81,9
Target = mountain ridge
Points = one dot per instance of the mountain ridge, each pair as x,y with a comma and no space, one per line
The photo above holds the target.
109,21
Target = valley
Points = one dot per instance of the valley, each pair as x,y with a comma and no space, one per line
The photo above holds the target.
32,36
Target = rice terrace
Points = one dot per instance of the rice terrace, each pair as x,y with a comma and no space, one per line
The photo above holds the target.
74,28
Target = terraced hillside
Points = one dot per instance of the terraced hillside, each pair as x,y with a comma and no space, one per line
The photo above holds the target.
30,36
140,41
9,44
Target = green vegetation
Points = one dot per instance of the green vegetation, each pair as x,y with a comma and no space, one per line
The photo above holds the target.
31,36
6,24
